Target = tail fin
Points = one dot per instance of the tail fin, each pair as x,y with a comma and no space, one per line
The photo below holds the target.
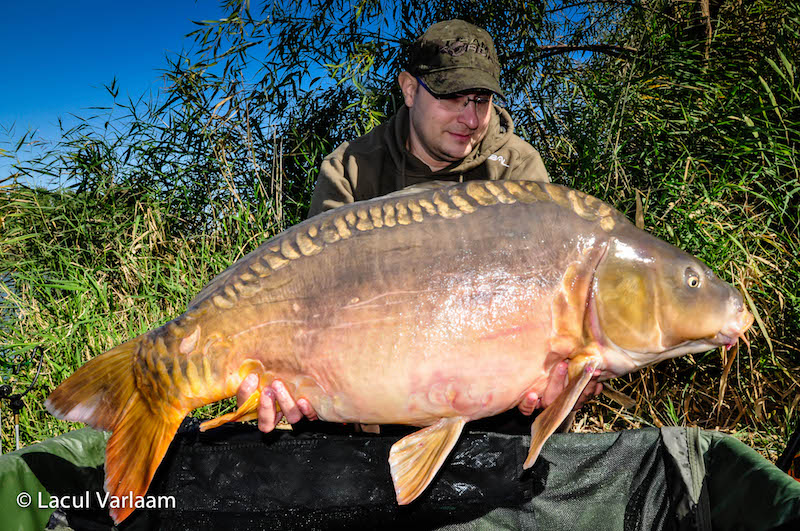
103,394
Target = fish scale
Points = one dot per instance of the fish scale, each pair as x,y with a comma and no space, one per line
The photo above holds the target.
429,307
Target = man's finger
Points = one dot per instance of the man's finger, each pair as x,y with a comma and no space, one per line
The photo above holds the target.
307,409
286,402
246,388
555,384
592,390
529,403
268,417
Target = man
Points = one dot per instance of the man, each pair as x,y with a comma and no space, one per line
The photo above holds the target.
448,130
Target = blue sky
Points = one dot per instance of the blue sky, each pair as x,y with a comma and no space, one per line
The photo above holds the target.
58,55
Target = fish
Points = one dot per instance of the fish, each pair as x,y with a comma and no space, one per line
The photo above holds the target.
429,308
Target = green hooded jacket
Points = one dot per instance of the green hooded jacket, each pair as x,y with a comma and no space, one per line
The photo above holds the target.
378,163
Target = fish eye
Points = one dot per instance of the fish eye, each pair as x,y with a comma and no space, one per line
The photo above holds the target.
692,278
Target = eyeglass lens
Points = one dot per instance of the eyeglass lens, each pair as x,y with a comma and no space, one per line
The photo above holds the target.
458,102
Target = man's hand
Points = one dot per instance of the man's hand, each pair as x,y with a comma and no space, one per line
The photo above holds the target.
555,385
275,402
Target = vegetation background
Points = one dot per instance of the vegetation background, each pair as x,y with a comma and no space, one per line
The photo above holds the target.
688,108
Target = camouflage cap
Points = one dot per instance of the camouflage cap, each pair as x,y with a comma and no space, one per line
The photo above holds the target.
455,56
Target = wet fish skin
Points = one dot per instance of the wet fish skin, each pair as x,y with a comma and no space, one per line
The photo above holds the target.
430,309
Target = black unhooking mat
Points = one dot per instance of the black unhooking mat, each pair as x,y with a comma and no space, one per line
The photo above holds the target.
235,477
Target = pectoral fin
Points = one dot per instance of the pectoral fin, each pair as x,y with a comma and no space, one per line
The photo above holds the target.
415,459
247,411
554,415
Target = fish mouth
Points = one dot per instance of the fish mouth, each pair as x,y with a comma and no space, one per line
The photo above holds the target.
725,340
729,337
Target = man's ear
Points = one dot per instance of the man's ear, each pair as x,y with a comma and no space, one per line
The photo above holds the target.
408,84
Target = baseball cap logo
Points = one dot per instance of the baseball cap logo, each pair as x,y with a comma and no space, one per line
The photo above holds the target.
459,47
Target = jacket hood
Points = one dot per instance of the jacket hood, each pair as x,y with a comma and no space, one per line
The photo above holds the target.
500,130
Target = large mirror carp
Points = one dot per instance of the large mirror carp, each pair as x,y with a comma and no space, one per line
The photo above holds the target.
428,308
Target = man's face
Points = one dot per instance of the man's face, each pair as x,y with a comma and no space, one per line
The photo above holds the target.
443,131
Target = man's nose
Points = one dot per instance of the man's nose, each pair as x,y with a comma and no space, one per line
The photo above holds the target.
469,115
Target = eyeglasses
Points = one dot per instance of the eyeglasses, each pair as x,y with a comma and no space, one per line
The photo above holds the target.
458,102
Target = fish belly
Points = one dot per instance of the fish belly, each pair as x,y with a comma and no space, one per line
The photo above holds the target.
402,380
